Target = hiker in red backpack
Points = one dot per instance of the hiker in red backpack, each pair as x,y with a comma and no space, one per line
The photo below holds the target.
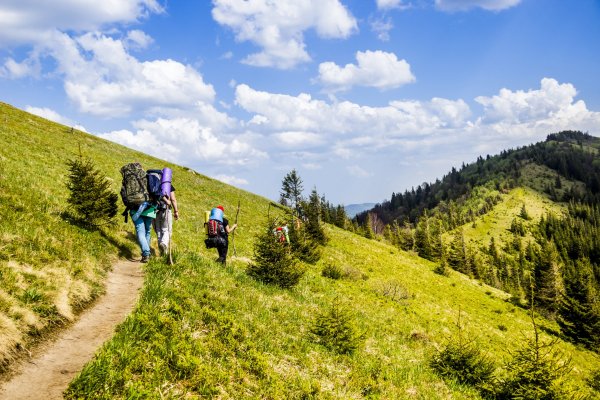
218,233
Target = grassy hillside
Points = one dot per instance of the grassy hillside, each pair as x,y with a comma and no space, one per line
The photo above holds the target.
203,330
496,223
50,269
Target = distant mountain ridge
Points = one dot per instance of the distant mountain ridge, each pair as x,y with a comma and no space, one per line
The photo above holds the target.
353,209
564,167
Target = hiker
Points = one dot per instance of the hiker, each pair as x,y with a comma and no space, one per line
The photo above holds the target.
218,230
282,234
143,224
138,205
163,223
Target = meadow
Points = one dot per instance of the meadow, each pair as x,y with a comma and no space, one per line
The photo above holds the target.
201,330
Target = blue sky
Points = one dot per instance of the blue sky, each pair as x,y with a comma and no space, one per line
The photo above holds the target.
362,97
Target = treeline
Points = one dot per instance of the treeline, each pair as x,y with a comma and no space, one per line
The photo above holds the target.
571,154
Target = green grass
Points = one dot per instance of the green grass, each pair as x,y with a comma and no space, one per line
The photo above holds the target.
205,331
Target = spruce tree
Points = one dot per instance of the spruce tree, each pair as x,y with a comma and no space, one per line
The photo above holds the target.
92,202
313,218
579,311
273,262
291,191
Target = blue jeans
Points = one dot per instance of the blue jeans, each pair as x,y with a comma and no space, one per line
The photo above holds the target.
142,231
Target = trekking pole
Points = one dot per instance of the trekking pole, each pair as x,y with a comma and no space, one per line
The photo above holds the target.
170,226
233,235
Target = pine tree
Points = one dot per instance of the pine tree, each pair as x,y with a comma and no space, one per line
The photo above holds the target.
92,202
273,262
313,224
291,191
578,311
536,370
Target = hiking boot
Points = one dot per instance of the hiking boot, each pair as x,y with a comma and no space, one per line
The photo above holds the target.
145,259
162,248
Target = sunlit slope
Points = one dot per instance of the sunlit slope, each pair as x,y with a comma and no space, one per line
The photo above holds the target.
202,330
49,268
496,223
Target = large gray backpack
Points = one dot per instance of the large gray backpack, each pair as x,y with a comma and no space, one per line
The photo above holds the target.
134,188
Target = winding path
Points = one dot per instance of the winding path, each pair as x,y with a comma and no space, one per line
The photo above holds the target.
47,375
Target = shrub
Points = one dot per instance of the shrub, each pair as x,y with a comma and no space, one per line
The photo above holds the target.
332,271
303,246
535,371
273,261
594,380
463,361
335,330
91,200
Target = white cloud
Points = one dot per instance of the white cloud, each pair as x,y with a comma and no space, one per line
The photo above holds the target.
524,106
186,141
138,40
382,28
52,115
298,140
231,180
376,69
23,22
276,113
103,79
278,27
17,70
463,5
388,4
346,130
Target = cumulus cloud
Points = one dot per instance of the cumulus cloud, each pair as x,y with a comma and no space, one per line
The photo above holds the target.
102,78
278,27
346,130
231,180
16,70
376,69
22,22
185,140
138,40
464,5
52,115
274,113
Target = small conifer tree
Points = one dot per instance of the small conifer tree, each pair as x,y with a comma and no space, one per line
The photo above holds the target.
273,261
335,329
536,369
462,360
90,197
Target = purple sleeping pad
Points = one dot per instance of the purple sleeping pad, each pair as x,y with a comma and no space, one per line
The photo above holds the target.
165,186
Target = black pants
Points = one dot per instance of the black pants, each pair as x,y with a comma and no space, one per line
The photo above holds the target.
222,249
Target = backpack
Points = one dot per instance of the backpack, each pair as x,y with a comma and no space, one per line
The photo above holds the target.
134,187
215,228
154,177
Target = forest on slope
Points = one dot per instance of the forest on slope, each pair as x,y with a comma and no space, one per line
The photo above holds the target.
524,221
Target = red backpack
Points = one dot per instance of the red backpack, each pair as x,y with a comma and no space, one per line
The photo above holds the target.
215,228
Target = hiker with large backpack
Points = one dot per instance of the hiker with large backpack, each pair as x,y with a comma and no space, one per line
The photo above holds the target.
218,230
163,193
138,205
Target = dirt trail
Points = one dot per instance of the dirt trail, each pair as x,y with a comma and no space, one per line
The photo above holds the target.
47,375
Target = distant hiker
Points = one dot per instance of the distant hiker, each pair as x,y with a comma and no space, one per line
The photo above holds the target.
160,187
138,205
218,231
282,234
